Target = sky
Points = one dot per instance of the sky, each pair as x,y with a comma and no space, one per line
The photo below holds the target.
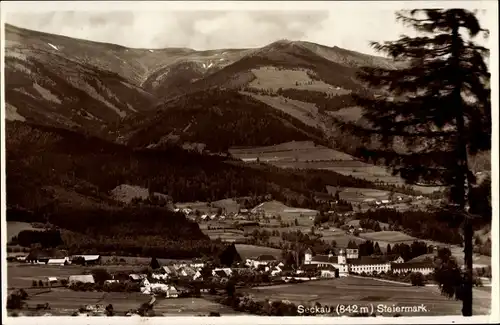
344,26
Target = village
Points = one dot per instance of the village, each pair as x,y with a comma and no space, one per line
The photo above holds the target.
311,260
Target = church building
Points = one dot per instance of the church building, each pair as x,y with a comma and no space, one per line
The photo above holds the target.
338,262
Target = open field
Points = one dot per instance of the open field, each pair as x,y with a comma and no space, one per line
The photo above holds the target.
15,227
291,152
226,235
305,112
65,301
247,251
365,291
354,194
389,236
277,208
306,155
273,78
230,206
340,237
355,223
21,275
348,114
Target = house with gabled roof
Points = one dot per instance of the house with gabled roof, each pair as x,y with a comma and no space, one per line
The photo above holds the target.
43,256
328,271
169,269
264,259
89,259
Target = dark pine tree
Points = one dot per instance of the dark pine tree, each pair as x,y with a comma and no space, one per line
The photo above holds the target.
229,256
154,264
426,118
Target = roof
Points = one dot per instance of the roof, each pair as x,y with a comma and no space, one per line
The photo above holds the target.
393,257
352,245
220,273
87,278
188,271
36,254
88,257
325,259
56,260
308,251
168,269
266,257
369,260
412,265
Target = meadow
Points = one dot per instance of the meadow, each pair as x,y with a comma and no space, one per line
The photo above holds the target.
247,251
367,292
64,302
270,78
307,155
15,227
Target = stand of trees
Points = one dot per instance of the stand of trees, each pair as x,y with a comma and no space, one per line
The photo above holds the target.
46,239
438,225
427,118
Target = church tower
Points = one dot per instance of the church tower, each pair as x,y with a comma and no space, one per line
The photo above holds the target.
308,256
342,260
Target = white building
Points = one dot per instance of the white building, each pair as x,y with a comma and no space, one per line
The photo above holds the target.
338,262
197,264
352,252
58,261
328,271
424,267
365,264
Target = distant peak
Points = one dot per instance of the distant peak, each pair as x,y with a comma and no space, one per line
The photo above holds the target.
282,42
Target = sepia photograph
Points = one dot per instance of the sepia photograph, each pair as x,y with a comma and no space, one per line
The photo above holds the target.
242,159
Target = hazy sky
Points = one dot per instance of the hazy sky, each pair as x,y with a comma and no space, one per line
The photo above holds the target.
343,26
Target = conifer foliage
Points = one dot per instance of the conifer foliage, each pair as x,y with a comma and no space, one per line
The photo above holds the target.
425,119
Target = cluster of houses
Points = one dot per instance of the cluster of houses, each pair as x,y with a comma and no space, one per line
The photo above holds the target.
55,257
347,261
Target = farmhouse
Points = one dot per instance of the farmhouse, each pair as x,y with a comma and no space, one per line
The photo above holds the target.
328,271
186,271
87,259
58,261
38,256
222,272
424,267
169,270
261,260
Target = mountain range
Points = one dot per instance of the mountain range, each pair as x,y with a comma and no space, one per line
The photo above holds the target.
103,89
84,117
